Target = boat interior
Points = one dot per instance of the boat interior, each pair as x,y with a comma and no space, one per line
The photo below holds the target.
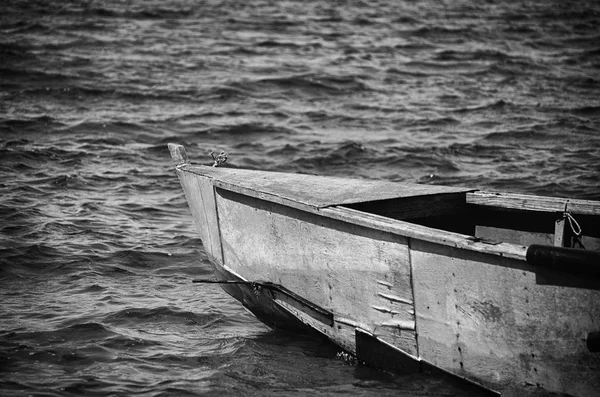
499,217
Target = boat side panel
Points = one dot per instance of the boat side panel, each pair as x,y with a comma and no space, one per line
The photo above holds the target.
513,236
361,275
200,196
484,317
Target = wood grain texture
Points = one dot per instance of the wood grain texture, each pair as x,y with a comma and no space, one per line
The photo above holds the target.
313,190
561,233
423,206
199,193
178,154
340,333
412,230
534,203
333,264
485,318
518,237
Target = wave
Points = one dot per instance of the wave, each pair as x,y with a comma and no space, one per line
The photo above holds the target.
245,129
446,68
300,85
120,130
137,12
435,31
13,53
587,111
275,23
522,136
476,55
46,87
407,20
401,71
500,104
23,157
286,150
37,256
135,259
26,125
349,153
26,27
423,161
120,342
279,44
71,333
162,315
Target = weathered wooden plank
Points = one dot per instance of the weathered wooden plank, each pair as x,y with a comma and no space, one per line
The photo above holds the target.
313,190
265,196
340,333
407,229
279,293
199,193
561,235
518,237
533,203
416,207
484,317
336,265
178,154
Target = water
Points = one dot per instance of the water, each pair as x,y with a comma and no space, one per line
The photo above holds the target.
97,248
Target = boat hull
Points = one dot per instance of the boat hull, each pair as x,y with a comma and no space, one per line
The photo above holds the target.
452,303
261,302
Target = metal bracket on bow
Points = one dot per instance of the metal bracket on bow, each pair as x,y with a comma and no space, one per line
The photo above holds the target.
219,159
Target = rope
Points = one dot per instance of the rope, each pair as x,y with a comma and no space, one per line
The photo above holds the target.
573,223
220,159
575,228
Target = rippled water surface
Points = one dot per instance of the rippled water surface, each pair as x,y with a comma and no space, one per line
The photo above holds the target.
97,248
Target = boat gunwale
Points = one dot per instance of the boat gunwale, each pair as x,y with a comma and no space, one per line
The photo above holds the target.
532,203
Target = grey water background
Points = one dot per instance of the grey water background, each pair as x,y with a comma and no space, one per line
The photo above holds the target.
97,247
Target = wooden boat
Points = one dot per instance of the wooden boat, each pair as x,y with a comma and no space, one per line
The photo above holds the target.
409,278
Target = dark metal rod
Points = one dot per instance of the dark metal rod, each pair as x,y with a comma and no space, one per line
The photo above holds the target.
273,287
204,281
593,342
568,260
